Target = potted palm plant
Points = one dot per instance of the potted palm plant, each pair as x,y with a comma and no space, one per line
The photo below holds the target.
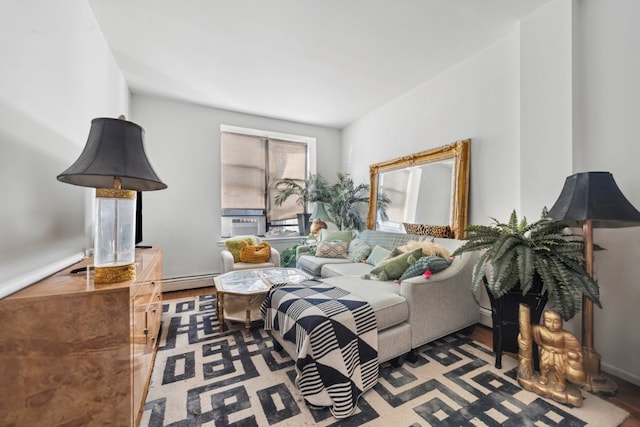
344,201
528,263
305,190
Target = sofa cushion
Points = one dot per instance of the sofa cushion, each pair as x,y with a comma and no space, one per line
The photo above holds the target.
378,253
450,244
252,266
358,250
332,250
389,307
348,269
432,263
313,264
392,269
388,239
428,247
443,231
336,235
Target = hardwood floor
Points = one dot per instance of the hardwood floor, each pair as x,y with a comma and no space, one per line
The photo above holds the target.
627,397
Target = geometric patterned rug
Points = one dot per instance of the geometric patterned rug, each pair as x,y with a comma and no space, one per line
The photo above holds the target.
202,377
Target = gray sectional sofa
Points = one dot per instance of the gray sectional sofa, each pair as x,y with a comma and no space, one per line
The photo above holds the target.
410,313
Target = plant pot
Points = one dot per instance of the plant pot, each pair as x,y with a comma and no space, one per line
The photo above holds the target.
504,315
304,224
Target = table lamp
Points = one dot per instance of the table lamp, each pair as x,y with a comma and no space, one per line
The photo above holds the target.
319,212
593,199
115,163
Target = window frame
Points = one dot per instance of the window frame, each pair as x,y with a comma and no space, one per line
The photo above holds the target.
310,143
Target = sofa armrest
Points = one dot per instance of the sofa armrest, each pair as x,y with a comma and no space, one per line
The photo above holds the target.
443,303
227,261
302,250
275,257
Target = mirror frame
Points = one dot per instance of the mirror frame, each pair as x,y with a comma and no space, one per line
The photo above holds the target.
459,151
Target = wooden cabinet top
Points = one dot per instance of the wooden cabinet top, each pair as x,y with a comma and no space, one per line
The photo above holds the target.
64,282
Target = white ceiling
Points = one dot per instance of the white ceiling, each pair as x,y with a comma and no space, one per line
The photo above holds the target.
323,62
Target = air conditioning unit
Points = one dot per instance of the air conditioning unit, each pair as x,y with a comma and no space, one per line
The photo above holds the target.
242,222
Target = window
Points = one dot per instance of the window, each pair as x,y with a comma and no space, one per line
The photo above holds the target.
252,163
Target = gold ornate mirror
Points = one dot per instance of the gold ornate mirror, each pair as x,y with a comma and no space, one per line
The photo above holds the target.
430,187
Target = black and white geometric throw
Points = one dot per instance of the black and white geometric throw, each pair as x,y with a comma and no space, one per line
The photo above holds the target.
202,377
335,334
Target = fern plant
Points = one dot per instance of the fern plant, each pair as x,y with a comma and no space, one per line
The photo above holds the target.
516,252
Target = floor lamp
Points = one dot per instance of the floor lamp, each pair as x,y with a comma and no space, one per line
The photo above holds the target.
593,200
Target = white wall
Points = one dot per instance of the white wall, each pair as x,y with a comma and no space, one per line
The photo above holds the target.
545,106
607,129
477,99
558,96
183,145
57,74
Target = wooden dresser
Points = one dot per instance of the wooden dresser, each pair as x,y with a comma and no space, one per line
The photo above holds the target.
76,354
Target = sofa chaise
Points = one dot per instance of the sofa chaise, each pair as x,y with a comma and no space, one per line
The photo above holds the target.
409,313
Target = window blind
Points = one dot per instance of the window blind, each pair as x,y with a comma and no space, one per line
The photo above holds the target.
286,159
251,167
243,171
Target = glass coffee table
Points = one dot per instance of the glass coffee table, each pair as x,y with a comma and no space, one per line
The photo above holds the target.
240,293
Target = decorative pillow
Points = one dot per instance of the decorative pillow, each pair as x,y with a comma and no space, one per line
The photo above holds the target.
332,250
443,231
335,235
392,269
428,247
433,264
255,253
358,250
235,245
378,253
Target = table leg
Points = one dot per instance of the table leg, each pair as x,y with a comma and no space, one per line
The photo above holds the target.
220,303
247,321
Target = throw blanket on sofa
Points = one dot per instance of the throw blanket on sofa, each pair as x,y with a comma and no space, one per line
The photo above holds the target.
336,340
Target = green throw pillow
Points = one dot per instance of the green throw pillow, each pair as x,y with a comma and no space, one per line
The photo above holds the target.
393,268
358,250
378,253
431,263
235,245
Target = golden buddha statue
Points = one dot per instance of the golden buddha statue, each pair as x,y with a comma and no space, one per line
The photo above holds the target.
561,367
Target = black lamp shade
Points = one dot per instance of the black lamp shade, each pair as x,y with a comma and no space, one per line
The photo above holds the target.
594,196
114,149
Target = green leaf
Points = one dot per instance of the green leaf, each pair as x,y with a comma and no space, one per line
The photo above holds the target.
478,272
526,267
